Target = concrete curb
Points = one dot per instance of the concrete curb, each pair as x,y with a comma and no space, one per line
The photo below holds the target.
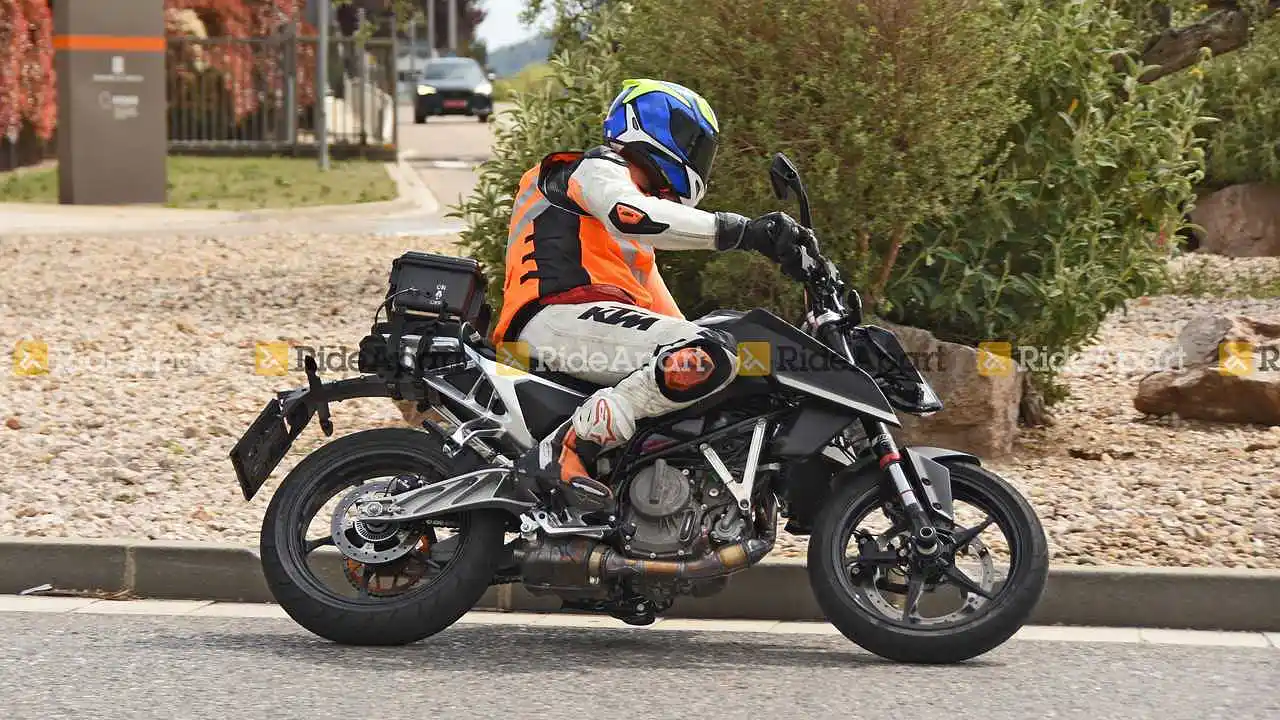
1188,598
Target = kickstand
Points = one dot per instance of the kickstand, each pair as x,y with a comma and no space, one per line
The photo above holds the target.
316,396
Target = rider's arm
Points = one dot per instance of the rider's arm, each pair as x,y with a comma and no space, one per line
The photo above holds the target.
601,185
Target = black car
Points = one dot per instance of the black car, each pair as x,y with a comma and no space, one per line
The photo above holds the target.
453,86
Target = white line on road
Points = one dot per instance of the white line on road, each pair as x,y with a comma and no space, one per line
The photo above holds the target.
1056,633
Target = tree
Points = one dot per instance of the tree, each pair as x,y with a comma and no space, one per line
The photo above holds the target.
246,73
378,12
28,84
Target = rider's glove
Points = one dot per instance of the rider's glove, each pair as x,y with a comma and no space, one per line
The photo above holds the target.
776,235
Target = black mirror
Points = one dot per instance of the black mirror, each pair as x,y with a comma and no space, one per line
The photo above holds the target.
785,179
784,176
853,306
492,76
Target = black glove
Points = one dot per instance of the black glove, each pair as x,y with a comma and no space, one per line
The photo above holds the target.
776,235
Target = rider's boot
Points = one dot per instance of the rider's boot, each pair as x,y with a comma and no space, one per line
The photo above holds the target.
557,466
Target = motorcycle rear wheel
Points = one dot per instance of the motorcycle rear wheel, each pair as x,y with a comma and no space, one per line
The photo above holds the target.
375,620
844,600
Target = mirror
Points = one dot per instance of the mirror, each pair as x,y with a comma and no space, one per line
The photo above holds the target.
492,76
784,176
785,179
853,306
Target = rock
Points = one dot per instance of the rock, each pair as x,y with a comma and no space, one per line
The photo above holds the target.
126,475
980,413
1255,447
202,515
1204,388
1240,221
13,423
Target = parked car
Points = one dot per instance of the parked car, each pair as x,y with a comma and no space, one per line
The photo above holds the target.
453,86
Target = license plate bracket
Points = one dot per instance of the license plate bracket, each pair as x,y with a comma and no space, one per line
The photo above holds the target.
268,440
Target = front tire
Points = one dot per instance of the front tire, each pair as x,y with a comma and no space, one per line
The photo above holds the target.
397,620
1006,611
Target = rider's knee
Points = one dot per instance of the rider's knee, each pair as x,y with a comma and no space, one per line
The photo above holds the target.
694,369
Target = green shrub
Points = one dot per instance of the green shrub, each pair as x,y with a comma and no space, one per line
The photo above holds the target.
979,166
889,109
1079,217
1242,90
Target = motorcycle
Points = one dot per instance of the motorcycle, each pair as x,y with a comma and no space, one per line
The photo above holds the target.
903,541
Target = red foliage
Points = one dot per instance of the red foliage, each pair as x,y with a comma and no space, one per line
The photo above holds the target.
28,85
248,71
28,82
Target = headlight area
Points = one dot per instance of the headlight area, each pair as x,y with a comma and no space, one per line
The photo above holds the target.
484,88
426,90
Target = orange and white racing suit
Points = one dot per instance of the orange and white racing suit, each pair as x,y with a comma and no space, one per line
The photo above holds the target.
582,290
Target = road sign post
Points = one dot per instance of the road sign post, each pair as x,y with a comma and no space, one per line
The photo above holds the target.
112,134
322,83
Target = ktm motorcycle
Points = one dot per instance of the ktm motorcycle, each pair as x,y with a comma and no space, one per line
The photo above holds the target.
387,536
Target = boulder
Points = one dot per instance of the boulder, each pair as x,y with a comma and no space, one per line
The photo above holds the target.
1240,221
1208,385
980,412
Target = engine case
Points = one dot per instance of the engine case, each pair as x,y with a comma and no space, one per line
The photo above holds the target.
669,510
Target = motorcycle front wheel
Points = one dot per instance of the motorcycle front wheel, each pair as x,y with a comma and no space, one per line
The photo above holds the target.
968,599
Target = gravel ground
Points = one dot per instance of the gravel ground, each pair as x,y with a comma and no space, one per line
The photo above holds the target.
151,341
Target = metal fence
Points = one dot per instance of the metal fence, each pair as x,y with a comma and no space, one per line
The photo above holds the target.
258,95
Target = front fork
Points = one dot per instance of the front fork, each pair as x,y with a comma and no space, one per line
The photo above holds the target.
923,535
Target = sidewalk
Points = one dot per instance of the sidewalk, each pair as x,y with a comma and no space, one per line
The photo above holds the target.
414,198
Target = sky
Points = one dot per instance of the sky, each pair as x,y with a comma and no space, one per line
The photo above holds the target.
502,25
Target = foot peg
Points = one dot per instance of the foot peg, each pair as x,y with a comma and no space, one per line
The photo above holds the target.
553,526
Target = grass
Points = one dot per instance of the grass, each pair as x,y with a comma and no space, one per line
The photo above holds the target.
237,183
1199,277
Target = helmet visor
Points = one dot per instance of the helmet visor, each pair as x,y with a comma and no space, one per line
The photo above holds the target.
697,144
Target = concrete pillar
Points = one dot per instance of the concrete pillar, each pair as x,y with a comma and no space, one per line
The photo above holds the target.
112,134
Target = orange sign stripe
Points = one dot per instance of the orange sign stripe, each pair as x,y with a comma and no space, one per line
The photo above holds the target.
118,43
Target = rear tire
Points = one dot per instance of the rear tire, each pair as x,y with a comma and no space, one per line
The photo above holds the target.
1009,610
390,621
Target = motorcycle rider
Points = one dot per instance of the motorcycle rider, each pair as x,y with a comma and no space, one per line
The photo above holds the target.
581,284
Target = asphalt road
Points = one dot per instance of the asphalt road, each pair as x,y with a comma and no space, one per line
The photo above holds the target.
73,666
445,150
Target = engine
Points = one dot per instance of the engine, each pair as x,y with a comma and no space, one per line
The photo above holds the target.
672,512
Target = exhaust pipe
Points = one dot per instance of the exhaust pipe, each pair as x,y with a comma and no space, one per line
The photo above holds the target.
578,563
607,563
581,562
